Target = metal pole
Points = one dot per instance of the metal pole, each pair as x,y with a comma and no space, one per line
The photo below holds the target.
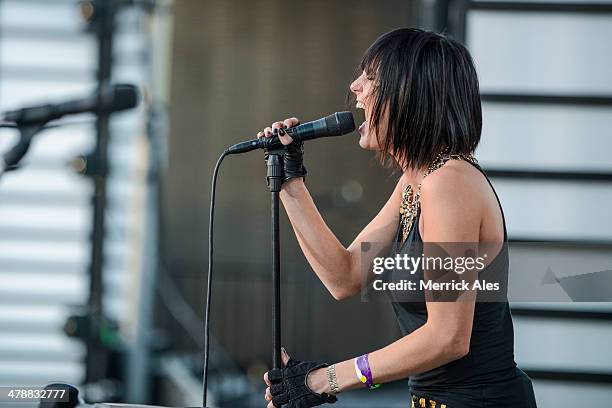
456,15
274,183
96,357
276,307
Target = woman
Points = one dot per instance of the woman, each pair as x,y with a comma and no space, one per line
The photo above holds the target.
419,91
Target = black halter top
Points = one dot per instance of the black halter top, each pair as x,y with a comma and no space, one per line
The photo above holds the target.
491,354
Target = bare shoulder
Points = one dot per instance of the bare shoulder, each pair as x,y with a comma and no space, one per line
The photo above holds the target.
452,204
457,180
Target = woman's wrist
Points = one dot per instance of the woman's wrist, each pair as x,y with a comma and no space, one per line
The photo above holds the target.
318,382
347,380
293,187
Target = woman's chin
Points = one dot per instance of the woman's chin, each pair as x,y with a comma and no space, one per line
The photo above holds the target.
366,144
363,143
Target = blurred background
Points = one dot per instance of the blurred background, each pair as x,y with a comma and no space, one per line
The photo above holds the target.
103,227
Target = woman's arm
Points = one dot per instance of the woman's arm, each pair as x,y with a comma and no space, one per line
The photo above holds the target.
339,268
450,214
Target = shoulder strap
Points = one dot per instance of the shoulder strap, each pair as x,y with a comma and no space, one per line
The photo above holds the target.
501,209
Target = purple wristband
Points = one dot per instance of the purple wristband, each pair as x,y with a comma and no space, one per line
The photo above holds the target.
364,373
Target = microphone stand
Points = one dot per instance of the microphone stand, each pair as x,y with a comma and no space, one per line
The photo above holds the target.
275,179
11,159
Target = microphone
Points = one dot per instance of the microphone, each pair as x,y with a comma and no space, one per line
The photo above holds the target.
337,124
111,98
68,398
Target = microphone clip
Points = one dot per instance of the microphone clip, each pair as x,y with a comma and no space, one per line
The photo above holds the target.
274,175
11,159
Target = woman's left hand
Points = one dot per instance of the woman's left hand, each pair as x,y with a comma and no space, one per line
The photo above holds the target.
293,158
299,384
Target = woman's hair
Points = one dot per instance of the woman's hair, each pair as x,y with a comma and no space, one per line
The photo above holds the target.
427,85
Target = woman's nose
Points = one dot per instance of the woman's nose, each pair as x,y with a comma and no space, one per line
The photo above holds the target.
355,86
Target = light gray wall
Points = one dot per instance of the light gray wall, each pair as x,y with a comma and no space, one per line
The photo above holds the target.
551,54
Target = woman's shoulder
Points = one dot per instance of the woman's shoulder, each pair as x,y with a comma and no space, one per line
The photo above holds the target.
456,180
452,203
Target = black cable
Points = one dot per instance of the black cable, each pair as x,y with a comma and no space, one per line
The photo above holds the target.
64,123
209,278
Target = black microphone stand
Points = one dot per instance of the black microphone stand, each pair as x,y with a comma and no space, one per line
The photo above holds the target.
11,159
275,179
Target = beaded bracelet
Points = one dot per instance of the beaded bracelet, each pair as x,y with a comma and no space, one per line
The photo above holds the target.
364,373
332,379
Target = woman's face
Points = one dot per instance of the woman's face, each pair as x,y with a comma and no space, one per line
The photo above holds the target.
363,88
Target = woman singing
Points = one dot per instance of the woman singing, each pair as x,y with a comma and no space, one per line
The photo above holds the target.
419,91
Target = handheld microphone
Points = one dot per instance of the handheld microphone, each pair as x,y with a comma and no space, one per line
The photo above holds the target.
339,123
67,398
111,98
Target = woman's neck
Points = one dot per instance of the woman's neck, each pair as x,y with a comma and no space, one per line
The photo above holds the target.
413,176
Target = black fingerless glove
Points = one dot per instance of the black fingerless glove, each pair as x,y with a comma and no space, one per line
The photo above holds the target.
293,160
289,388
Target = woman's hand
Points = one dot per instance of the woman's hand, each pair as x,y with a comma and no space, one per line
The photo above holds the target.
293,165
299,384
286,124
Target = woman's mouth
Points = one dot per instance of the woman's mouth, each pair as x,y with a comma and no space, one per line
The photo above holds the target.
362,127
360,105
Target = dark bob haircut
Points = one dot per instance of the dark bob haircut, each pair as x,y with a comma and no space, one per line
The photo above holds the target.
427,85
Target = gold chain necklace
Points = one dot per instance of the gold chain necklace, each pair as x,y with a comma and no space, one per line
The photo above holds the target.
411,201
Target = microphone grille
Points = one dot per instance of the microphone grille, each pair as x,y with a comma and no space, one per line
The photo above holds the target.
119,97
340,123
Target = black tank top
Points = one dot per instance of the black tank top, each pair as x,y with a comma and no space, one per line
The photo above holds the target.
491,354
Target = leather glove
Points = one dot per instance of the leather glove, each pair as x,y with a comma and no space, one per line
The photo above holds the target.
289,388
293,160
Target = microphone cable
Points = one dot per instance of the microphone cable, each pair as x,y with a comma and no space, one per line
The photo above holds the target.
210,274
333,125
